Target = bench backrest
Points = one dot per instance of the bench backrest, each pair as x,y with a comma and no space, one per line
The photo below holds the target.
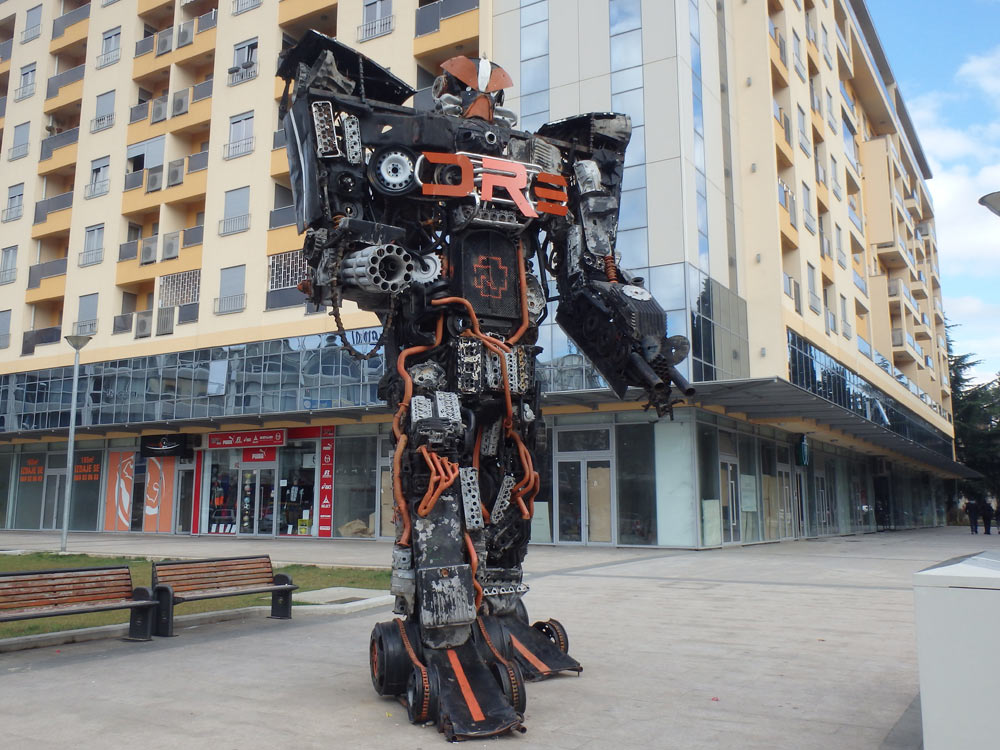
48,588
204,575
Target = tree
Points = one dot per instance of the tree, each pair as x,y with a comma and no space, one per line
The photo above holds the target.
976,418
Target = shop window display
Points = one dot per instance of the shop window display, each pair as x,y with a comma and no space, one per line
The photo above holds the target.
297,488
636,484
223,493
355,486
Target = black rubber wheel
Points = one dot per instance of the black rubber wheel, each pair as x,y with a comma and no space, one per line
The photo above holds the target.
390,665
511,681
555,632
421,697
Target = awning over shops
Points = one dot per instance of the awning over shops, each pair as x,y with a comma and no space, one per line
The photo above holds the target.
774,399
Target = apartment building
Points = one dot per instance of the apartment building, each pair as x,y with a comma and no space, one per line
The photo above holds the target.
774,201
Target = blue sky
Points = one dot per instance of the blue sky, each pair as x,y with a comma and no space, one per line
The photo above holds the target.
946,59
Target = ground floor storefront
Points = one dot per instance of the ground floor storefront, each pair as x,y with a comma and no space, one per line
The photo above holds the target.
608,478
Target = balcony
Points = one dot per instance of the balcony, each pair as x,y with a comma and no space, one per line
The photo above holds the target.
232,304
860,282
793,291
175,45
899,290
234,225
938,312
44,224
242,74
170,186
184,111
6,50
108,58
782,137
922,330
815,303
66,157
787,217
920,286
376,28
39,337
102,122
3,109
95,189
238,148
830,320
64,89
846,330
70,29
778,53
122,323
904,348
283,235
144,324
85,327
192,236
444,29
864,347
46,281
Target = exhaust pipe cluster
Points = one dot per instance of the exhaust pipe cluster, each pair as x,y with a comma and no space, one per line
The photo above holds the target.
378,269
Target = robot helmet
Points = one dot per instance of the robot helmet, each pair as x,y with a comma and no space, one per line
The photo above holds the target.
478,84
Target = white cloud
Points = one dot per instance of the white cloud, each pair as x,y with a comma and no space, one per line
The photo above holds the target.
983,72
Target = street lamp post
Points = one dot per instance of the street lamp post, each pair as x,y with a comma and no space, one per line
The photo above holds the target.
77,342
992,202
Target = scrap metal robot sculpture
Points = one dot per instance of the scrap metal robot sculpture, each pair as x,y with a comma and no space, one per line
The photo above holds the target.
447,224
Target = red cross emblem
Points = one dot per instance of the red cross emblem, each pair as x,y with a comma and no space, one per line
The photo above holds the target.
490,276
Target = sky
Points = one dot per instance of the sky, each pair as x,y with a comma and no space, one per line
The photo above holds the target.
945,56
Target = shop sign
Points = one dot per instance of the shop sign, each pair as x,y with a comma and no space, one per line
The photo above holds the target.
152,446
326,487
251,439
260,454
32,470
87,468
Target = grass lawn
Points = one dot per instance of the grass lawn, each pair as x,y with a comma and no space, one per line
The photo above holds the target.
306,577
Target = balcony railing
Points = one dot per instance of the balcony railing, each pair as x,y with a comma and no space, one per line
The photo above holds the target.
32,32
109,58
91,257
6,50
4,340
23,92
94,189
164,41
17,151
831,321
815,304
793,291
837,190
197,162
860,282
47,270
3,106
122,323
278,140
187,313
242,6
193,236
232,304
234,224
102,122
144,324
241,147
841,258
429,17
809,220
128,250
145,45
56,203
165,320
147,250
242,74
38,337
85,327
208,20
820,173
281,217
8,275
12,213
66,20
139,112
375,28
171,245
65,78
59,140
864,347
845,328
201,90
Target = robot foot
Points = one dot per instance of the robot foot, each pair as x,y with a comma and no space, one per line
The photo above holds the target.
540,650
465,695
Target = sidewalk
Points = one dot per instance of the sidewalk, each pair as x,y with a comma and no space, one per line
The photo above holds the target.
795,645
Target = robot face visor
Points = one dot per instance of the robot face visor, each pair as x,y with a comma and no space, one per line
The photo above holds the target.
479,104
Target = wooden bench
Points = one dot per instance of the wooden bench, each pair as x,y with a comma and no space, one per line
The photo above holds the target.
179,581
76,591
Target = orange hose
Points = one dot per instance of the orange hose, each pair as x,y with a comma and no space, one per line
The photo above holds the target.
609,269
473,320
474,564
523,274
397,491
475,451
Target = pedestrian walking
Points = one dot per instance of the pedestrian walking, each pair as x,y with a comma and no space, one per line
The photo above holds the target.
973,512
986,511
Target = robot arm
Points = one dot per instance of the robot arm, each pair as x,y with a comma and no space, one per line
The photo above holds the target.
607,312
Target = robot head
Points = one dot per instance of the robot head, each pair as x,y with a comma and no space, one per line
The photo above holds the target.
478,84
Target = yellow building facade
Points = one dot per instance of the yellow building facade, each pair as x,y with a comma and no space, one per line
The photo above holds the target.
774,199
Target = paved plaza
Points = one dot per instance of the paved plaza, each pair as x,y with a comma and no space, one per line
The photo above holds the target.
795,645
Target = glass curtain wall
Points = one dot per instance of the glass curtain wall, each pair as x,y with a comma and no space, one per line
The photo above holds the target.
355,486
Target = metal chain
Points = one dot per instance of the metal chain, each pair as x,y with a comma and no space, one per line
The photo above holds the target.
342,332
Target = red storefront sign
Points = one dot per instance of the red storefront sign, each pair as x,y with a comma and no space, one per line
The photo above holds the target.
326,487
260,454
253,439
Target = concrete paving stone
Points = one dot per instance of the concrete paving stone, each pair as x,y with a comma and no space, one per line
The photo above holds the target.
804,644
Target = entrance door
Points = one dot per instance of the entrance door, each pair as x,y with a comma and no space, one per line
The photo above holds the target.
53,496
256,502
585,507
786,514
801,529
729,478
185,499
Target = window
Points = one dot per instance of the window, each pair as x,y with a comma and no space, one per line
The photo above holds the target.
231,295
8,264
110,48
811,280
93,246
807,215
86,321
240,136
377,9
26,84
145,154
99,178
237,211
845,326
244,62
19,149
4,329
15,202
534,64
104,113
32,24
